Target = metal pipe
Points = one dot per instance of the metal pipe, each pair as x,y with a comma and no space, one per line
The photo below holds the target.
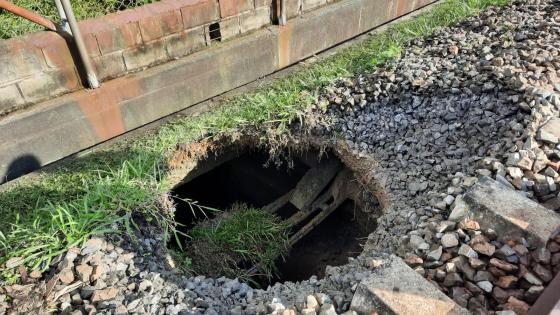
26,14
283,19
63,19
82,50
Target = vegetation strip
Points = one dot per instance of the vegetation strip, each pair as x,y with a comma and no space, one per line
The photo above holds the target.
63,207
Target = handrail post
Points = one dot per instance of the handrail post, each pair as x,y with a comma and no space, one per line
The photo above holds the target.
82,50
282,19
63,19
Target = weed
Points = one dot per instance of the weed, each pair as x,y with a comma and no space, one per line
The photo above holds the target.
237,240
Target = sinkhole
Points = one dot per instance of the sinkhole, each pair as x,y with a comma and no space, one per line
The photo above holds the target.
324,212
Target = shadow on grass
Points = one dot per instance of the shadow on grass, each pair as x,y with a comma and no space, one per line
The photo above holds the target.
63,206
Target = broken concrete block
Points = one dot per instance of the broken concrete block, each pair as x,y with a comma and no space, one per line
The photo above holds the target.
506,211
395,288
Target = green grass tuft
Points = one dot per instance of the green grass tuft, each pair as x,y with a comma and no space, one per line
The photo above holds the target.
60,208
237,240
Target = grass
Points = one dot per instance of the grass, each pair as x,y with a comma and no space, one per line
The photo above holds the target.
13,26
237,240
60,208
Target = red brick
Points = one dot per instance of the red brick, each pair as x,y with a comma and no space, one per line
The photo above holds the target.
160,25
234,7
122,37
200,13
57,54
91,45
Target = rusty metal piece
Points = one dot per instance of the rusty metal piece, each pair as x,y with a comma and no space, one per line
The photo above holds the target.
28,15
549,301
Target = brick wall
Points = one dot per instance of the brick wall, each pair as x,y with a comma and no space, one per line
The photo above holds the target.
41,66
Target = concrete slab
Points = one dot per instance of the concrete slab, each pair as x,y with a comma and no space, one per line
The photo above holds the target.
506,211
395,288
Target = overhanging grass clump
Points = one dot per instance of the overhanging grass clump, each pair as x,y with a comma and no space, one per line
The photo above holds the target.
236,241
127,177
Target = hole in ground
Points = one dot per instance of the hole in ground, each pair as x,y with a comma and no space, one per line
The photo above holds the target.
330,214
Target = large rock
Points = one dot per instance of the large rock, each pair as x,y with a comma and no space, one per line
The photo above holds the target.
509,213
395,288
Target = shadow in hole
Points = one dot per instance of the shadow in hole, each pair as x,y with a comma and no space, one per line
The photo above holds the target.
22,165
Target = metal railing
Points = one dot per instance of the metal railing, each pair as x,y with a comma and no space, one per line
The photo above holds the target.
68,25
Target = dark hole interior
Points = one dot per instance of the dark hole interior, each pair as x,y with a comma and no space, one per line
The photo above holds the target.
215,33
330,243
250,179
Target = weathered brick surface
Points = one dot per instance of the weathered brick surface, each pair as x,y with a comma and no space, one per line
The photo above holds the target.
145,55
122,37
184,43
234,7
263,3
10,97
320,31
255,19
91,45
200,14
160,25
55,49
313,4
109,66
18,59
228,28
45,84
202,76
293,8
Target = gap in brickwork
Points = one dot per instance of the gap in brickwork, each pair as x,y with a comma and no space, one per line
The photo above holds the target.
215,32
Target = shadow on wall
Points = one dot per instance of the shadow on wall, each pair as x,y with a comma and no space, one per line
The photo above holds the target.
22,165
